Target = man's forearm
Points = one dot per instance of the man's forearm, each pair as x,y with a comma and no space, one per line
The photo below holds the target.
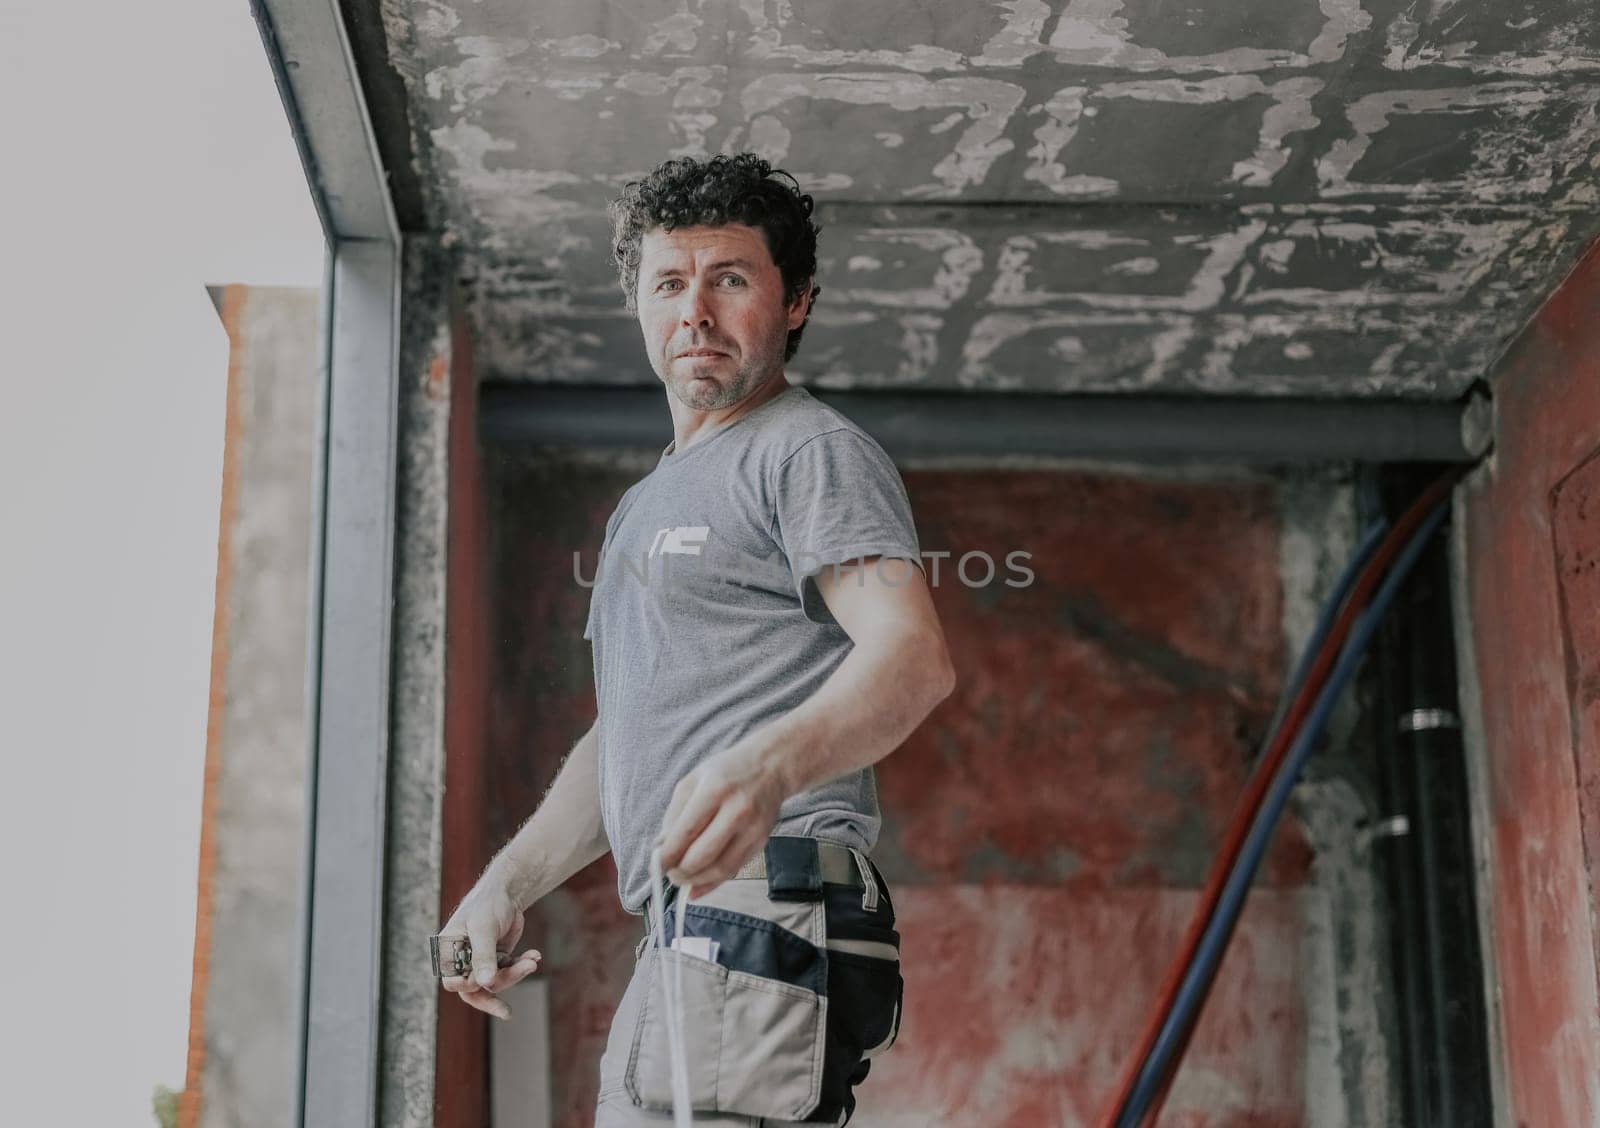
563,835
875,699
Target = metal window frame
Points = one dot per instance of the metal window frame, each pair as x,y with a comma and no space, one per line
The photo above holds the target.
352,565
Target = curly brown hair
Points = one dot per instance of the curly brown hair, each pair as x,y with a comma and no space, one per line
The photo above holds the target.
744,188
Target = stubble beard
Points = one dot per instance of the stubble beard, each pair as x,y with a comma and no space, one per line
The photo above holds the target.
714,395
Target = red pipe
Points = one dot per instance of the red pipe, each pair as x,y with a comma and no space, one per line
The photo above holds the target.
1256,787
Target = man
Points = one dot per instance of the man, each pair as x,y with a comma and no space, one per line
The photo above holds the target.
763,634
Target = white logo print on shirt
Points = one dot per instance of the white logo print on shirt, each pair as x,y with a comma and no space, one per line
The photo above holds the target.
681,538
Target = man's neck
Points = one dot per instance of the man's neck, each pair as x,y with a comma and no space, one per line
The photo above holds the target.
689,426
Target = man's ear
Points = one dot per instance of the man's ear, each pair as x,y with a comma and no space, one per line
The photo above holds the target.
800,308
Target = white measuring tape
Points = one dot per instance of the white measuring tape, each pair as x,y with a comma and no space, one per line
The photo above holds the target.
672,991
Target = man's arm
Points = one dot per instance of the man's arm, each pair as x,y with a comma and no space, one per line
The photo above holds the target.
895,674
563,835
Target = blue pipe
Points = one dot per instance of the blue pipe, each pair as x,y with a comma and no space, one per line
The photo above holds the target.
1319,634
1214,942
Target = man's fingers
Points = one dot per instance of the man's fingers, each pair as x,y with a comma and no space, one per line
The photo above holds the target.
679,832
738,851
508,942
486,1002
681,796
480,934
718,834
508,976
515,972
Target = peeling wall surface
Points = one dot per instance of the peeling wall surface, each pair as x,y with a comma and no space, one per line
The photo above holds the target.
433,707
1318,197
1532,561
1048,828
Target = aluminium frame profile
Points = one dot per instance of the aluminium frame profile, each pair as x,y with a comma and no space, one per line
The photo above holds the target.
354,479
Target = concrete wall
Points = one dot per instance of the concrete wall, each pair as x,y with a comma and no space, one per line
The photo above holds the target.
1047,830
434,1049
242,1009
1530,563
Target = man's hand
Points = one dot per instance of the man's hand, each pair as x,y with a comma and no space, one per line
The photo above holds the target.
720,814
491,922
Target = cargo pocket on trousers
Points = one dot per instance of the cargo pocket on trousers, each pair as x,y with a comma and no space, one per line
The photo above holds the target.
876,992
865,983
754,1044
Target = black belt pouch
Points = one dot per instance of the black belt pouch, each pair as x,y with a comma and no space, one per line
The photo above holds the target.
794,869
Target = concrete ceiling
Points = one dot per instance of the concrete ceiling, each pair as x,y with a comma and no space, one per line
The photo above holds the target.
1275,197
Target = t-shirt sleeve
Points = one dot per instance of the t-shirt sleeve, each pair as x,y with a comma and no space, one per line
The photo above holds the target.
839,497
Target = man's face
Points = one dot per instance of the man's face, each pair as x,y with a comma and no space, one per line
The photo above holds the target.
712,310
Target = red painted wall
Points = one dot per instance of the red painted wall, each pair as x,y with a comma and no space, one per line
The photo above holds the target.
1048,825
1532,546
1045,831
543,510
461,1066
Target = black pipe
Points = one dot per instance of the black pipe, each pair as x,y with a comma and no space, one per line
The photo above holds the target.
1426,845
1144,428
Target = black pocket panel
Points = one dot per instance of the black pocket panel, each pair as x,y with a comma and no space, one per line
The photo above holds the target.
759,947
865,997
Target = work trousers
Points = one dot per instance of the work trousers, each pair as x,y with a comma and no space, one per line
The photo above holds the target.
787,995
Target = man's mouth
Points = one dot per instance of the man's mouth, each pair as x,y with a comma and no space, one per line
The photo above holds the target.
701,352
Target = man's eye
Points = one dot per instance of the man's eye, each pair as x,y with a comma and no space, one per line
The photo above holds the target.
734,278
667,283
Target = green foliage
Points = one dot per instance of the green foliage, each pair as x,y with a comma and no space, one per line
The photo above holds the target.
164,1103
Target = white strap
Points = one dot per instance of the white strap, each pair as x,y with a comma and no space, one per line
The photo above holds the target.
869,894
672,997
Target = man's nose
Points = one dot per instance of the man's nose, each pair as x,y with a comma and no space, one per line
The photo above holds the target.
696,310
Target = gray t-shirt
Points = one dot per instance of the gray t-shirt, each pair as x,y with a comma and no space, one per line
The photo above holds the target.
706,619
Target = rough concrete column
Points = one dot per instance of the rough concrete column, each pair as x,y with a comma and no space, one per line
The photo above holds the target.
416,746
1352,1053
